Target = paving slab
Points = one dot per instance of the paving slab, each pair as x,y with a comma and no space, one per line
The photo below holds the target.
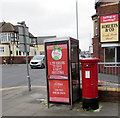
21,102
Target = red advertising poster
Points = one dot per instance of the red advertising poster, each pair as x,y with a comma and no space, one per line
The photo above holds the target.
59,91
57,59
57,63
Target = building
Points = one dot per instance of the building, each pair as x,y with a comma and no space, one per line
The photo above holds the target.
40,44
10,44
106,39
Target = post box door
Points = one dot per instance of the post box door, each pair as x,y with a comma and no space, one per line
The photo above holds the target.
89,86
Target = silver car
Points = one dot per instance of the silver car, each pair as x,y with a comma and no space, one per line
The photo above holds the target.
38,61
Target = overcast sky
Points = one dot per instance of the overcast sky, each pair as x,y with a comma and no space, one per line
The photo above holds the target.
52,17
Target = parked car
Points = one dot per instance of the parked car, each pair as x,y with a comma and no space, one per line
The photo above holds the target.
38,61
82,56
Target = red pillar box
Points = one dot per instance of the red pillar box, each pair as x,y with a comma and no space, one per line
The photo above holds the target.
62,70
90,82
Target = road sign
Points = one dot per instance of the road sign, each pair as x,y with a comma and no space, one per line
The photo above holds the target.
24,38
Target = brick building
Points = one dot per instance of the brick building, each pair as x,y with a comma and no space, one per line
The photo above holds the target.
106,39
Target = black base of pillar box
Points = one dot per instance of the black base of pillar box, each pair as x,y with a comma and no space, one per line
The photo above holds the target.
92,103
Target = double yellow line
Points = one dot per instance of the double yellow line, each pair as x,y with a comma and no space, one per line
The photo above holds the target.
17,87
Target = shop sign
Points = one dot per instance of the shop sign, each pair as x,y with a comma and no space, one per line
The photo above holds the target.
109,28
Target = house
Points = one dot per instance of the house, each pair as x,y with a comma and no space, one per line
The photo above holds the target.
10,44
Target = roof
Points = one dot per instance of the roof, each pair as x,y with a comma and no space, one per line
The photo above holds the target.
106,1
40,39
7,27
67,38
99,2
31,35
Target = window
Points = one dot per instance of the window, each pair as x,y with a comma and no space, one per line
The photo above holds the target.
1,49
11,52
112,54
5,37
118,54
95,28
17,52
8,37
35,53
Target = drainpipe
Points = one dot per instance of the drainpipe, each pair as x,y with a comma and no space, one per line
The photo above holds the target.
9,52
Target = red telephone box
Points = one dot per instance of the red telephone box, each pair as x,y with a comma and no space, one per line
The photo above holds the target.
90,82
62,70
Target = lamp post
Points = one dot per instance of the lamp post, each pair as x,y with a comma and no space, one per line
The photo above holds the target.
77,19
25,46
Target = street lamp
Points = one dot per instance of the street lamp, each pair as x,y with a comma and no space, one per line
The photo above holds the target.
77,18
25,46
21,23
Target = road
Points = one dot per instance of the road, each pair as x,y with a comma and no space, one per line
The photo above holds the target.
16,75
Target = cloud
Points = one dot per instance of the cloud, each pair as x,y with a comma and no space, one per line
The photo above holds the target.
52,17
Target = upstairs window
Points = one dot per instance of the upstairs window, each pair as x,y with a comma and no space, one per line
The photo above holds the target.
1,49
5,37
95,28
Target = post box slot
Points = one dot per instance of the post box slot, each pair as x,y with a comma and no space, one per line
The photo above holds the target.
87,67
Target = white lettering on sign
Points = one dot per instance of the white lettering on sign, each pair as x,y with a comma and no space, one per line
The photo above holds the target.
87,74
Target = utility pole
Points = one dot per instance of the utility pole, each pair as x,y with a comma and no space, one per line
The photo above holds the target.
26,51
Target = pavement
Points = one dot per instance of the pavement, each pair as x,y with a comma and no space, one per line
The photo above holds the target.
18,101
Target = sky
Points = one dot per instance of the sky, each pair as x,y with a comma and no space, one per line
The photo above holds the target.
52,17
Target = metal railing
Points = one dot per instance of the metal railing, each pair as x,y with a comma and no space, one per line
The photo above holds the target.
109,72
